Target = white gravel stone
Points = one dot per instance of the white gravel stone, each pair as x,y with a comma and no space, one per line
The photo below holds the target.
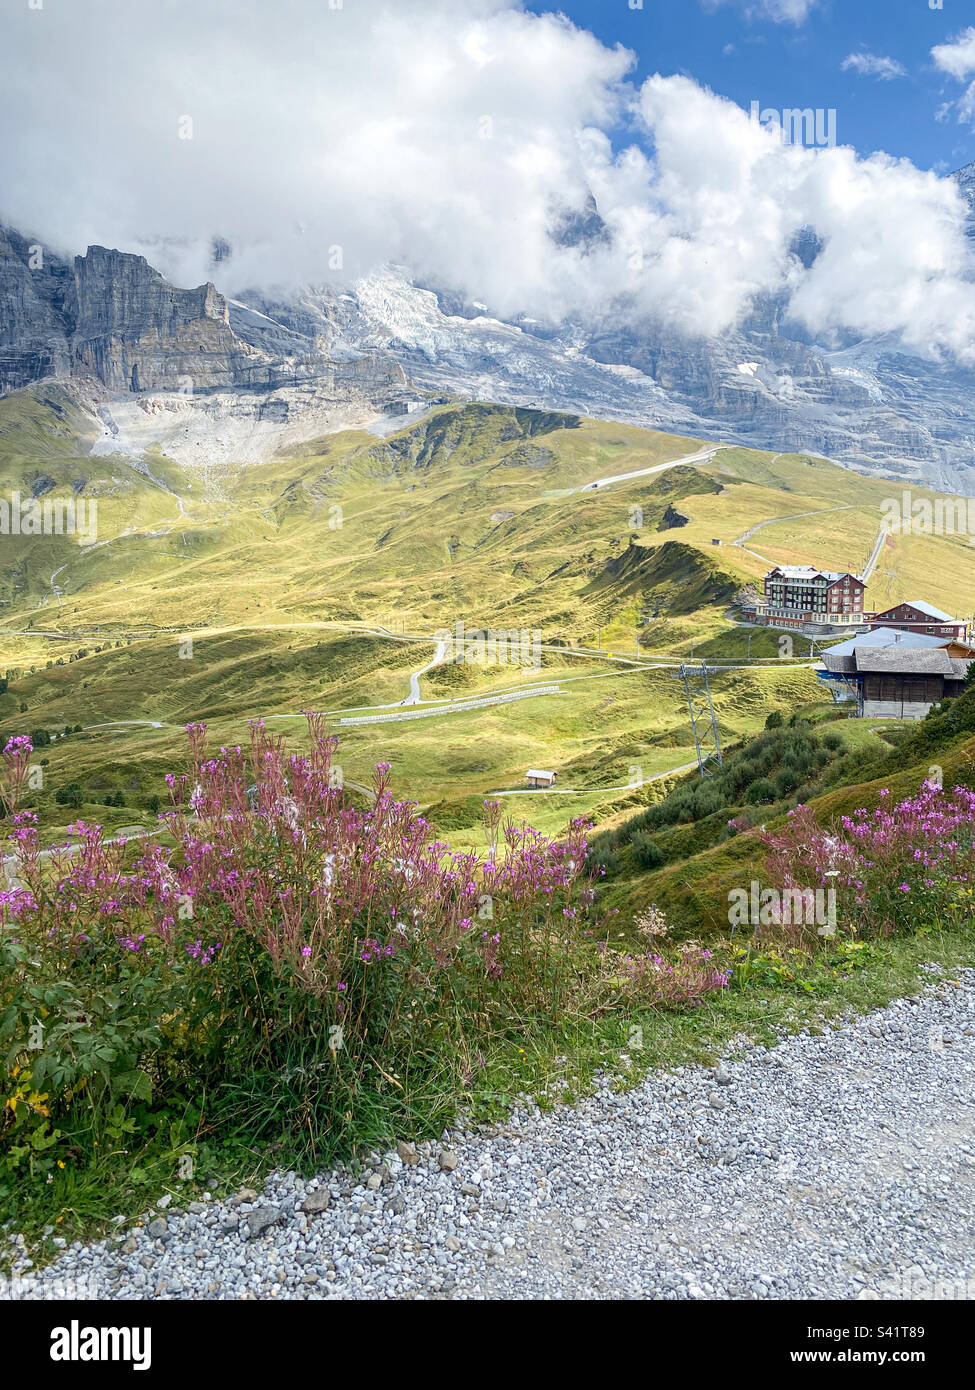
833,1166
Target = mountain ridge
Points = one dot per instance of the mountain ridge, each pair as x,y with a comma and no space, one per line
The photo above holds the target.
234,378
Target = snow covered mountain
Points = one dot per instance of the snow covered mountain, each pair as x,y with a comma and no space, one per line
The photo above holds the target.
869,404
267,368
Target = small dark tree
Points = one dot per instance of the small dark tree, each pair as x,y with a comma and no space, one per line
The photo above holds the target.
648,853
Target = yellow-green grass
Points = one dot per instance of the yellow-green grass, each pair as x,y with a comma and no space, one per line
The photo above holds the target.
695,890
422,537
608,726
465,517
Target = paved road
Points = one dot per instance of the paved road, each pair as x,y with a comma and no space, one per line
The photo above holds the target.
125,834
702,456
878,545
414,696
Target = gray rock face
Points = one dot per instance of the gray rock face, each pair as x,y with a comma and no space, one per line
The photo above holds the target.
36,313
112,319
136,332
867,403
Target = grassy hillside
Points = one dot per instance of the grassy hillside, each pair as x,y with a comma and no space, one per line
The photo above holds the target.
301,579
319,579
686,845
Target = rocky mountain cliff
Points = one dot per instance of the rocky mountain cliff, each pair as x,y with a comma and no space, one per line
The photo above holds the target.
114,324
870,405
195,372
136,332
38,308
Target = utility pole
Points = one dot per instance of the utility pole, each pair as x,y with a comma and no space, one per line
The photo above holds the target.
704,725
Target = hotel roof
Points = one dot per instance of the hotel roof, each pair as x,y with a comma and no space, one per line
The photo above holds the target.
810,572
885,637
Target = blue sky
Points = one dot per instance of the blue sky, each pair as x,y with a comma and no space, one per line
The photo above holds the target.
445,136
738,51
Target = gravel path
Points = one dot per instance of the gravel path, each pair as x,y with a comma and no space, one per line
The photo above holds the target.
838,1166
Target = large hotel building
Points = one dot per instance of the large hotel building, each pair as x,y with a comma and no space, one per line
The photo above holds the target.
802,596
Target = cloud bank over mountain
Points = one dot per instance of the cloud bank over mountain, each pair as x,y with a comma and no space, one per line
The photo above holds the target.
461,138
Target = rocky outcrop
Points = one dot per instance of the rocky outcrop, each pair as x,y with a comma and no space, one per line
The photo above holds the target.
110,318
136,332
36,313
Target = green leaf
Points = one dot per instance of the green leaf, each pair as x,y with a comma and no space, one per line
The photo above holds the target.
134,1083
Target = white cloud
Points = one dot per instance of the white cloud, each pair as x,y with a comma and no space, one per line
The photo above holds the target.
779,11
445,136
873,65
957,59
795,11
895,258
439,133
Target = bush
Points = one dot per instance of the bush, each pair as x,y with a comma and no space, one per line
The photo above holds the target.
310,965
774,721
904,866
602,860
648,853
785,782
76,1036
760,791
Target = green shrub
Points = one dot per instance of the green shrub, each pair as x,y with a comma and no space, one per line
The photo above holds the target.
760,791
648,853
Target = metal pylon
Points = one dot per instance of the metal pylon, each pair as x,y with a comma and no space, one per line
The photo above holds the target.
703,723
